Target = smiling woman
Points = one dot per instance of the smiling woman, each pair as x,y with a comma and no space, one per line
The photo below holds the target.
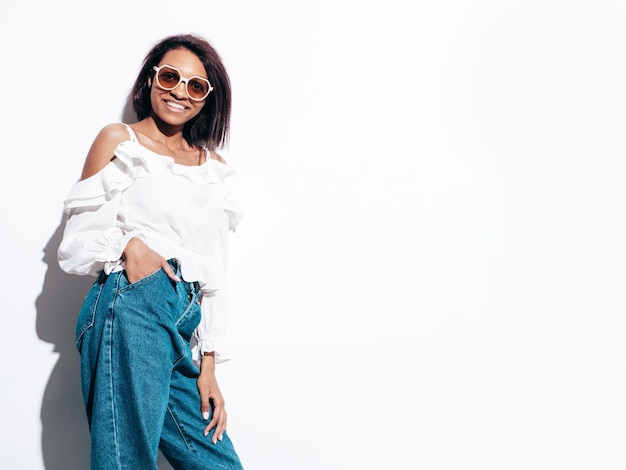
150,219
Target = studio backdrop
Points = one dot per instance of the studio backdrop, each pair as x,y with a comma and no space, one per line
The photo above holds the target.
429,273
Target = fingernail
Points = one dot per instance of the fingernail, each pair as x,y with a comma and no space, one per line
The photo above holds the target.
205,415
176,278
206,433
221,436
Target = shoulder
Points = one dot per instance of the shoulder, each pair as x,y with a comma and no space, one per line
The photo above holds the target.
115,130
216,156
110,136
102,150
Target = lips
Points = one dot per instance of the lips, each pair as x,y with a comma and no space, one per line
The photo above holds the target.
174,105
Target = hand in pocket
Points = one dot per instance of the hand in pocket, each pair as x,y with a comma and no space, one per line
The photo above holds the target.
141,261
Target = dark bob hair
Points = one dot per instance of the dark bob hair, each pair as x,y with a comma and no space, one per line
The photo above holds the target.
210,128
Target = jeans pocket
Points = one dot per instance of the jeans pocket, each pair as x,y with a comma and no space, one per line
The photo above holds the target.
125,284
87,314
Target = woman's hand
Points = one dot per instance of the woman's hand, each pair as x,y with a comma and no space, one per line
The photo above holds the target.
210,392
142,261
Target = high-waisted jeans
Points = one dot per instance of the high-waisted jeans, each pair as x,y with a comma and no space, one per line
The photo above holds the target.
138,378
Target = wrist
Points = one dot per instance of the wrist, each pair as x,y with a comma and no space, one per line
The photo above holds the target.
131,244
207,364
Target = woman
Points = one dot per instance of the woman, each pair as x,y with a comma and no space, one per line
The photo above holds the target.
150,218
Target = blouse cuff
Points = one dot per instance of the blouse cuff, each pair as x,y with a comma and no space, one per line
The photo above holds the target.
208,345
112,256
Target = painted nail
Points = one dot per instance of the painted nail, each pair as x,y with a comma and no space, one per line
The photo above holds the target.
206,433
205,415
221,437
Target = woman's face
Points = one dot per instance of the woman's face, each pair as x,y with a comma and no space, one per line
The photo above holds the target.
175,106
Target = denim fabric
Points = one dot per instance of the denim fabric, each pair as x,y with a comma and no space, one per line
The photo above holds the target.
138,379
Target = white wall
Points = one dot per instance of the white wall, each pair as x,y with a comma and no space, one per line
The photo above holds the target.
430,272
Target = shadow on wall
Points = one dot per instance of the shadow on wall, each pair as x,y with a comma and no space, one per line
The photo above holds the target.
65,433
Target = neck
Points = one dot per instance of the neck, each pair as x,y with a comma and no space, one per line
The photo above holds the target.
169,135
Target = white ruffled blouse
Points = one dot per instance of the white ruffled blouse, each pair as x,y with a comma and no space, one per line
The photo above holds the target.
179,211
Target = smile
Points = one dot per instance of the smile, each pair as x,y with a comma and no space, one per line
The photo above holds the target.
174,105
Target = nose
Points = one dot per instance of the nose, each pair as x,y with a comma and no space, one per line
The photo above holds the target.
180,90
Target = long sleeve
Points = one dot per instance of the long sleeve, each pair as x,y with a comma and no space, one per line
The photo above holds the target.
92,240
211,330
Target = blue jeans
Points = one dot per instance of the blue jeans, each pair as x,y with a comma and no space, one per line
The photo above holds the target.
138,379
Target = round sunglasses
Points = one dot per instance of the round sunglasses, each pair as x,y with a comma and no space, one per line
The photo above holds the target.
169,77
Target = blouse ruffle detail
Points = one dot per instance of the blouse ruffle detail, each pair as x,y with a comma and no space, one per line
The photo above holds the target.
135,161
182,212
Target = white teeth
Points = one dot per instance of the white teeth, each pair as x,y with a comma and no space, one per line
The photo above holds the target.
174,105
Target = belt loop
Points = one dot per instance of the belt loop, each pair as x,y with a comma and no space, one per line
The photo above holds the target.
196,286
